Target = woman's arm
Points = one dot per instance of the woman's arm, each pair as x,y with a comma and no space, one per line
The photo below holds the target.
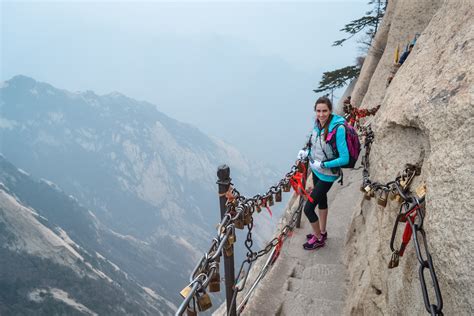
341,145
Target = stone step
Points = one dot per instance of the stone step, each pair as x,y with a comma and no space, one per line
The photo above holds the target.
296,304
321,272
329,290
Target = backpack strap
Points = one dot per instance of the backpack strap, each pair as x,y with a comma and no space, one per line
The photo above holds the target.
331,138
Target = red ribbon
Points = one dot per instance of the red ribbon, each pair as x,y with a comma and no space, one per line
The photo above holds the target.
297,184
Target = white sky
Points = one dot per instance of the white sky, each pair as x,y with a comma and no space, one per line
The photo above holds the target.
214,64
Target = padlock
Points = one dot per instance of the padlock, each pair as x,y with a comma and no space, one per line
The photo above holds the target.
367,196
362,188
203,301
286,187
247,217
278,196
393,196
403,184
231,239
382,199
258,209
398,198
372,193
191,311
215,282
239,223
421,191
185,292
270,200
367,188
394,260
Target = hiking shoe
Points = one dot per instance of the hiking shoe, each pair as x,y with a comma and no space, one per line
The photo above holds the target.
313,244
323,236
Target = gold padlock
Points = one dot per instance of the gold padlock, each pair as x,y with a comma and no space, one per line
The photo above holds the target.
287,187
278,196
421,191
372,193
403,184
392,195
185,292
382,199
398,198
203,302
270,200
367,195
231,239
215,282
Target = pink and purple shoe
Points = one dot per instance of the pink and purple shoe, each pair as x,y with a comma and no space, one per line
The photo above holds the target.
324,236
313,243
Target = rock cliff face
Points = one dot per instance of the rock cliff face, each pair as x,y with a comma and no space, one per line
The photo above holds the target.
426,117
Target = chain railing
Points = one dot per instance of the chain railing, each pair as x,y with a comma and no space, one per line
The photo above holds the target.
239,213
412,212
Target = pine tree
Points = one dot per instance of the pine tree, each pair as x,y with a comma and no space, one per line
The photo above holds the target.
337,78
369,22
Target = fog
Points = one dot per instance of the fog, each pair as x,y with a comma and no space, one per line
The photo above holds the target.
240,71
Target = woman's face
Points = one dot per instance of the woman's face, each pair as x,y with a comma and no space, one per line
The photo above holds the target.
322,113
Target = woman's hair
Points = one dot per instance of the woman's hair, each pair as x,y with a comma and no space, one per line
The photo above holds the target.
325,100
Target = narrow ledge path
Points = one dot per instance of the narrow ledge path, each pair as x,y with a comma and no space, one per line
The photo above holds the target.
305,282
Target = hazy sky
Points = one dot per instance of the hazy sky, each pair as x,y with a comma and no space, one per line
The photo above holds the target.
239,70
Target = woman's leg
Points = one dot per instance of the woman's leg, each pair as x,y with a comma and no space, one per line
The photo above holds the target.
309,211
321,194
323,218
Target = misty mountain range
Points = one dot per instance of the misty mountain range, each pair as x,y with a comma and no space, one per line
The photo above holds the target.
121,199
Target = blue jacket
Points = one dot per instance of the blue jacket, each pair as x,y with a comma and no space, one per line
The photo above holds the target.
341,145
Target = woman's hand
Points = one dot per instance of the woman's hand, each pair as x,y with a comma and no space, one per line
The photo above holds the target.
315,164
303,154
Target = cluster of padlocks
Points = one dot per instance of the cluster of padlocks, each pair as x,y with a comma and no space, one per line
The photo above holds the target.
412,213
239,214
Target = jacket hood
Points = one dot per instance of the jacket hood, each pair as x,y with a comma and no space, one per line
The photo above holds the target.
336,119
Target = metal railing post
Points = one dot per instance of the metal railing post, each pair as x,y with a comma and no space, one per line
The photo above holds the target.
223,176
302,201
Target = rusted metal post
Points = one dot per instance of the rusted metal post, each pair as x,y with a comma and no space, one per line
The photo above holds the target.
302,200
223,176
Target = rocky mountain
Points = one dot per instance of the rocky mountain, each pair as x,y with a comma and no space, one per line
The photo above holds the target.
53,252
426,117
146,180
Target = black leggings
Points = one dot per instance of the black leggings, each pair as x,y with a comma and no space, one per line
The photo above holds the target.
320,198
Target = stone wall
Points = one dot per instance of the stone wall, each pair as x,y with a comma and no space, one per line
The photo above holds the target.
427,116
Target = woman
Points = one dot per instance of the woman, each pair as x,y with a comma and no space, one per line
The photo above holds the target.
324,164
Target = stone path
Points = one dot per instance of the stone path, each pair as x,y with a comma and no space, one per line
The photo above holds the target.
311,282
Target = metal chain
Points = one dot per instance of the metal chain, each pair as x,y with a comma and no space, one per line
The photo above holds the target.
410,210
237,206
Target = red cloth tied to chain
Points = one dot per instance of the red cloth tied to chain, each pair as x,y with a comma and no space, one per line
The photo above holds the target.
264,202
407,232
297,183
278,246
